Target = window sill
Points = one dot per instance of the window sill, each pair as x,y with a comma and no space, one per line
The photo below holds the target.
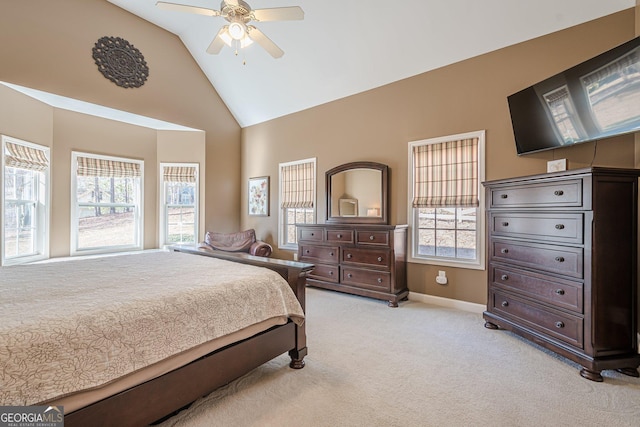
447,262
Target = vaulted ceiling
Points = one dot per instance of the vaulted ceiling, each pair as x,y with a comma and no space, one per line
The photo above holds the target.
344,47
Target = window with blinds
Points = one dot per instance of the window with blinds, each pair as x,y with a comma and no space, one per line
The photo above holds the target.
107,210
179,203
297,199
25,200
445,199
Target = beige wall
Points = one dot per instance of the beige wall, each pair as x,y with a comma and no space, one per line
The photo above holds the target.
88,134
468,96
66,131
47,45
187,147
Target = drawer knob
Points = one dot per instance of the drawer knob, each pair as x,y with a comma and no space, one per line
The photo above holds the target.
503,196
313,234
331,273
339,236
330,253
559,226
559,325
505,224
349,275
560,258
558,192
505,277
306,251
504,250
379,259
505,303
379,280
349,256
560,291
372,238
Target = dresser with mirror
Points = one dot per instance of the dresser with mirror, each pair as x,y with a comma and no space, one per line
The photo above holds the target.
356,250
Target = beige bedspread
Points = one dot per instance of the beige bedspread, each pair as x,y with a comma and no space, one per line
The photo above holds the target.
79,324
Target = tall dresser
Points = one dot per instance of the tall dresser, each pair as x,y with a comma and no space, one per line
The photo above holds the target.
562,251
361,259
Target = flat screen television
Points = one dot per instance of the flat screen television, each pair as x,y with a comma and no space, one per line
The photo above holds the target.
596,99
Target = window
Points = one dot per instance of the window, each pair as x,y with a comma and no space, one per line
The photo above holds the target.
106,204
445,201
297,199
25,201
178,203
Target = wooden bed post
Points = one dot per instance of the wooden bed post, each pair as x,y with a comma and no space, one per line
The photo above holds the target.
298,354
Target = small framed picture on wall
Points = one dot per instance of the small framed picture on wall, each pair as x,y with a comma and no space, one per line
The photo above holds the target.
259,196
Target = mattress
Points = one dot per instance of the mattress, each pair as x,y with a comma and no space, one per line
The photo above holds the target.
84,325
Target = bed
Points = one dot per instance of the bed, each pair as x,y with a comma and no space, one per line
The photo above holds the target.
128,339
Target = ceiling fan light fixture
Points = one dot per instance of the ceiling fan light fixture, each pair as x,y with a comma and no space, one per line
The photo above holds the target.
237,31
227,38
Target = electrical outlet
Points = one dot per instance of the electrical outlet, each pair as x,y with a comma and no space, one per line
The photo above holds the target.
441,278
557,165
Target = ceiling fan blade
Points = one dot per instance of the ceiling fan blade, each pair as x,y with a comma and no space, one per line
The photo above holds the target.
189,9
217,43
292,13
258,36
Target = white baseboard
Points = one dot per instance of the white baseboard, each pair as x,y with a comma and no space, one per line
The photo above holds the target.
447,302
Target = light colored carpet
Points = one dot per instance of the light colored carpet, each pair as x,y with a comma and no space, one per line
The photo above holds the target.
417,365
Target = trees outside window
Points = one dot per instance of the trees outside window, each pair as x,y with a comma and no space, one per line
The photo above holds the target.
106,203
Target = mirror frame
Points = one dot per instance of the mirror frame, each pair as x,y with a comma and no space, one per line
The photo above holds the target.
384,194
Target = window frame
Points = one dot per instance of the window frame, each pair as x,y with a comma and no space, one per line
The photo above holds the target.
162,216
138,215
43,207
283,223
412,213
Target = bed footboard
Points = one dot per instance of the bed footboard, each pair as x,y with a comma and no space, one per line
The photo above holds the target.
150,401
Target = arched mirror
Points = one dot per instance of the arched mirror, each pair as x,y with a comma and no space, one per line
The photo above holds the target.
357,193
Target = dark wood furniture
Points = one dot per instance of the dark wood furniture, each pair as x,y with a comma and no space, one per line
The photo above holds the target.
150,401
361,259
364,183
562,253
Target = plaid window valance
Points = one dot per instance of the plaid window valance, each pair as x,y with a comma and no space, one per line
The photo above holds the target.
298,182
179,173
446,174
90,166
24,157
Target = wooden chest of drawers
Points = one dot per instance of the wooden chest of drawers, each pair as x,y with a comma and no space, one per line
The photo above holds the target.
367,260
562,251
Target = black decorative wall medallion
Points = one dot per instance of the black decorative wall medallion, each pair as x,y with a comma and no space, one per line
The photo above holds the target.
120,62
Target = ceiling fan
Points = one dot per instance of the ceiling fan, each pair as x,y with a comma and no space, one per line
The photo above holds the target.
238,32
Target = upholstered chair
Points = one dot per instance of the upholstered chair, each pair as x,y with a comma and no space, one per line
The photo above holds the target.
241,241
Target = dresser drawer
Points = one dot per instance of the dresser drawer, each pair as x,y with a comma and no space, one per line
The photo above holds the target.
310,234
557,227
341,236
325,254
560,293
370,279
378,238
329,273
368,257
552,258
565,327
567,193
